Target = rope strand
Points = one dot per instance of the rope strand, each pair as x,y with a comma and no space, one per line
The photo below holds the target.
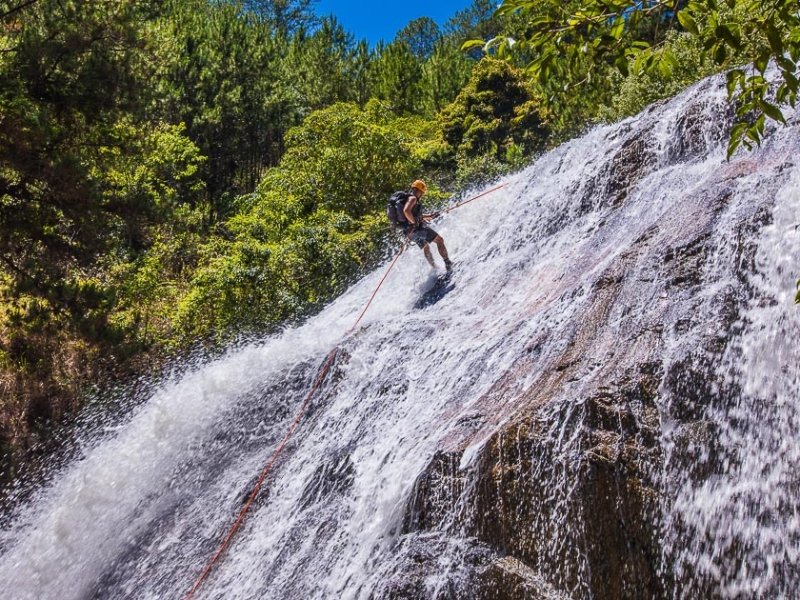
226,542
279,450
460,204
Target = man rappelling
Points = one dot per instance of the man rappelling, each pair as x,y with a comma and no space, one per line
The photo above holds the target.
405,212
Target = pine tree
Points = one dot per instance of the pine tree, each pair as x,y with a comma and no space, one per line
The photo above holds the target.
398,78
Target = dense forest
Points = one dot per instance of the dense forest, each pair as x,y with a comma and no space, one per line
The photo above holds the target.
185,173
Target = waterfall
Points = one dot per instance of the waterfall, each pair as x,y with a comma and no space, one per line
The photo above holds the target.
606,405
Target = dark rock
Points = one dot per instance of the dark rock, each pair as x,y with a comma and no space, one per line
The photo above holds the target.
508,578
433,566
685,263
435,492
334,476
610,187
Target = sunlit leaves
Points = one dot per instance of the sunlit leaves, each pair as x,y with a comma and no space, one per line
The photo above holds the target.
756,32
495,110
569,42
687,22
220,71
314,222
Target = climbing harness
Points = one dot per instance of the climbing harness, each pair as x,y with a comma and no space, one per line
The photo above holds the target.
299,417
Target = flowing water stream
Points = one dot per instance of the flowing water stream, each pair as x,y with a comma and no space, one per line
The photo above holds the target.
634,249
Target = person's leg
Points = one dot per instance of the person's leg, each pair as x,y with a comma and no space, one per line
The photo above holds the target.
440,245
442,250
426,249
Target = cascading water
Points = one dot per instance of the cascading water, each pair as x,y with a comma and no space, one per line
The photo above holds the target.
605,406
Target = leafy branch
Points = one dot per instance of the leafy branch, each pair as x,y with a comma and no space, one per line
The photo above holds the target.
564,46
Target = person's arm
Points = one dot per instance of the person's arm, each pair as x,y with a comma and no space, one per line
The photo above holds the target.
428,217
410,204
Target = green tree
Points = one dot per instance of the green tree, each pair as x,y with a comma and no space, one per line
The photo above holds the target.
87,180
444,74
421,35
478,20
318,66
220,72
73,84
398,78
359,73
316,221
285,16
640,88
495,112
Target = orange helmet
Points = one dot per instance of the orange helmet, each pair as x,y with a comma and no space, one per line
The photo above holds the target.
420,185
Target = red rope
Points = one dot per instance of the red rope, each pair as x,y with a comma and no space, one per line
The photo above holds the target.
268,468
481,195
296,422
264,473
375,293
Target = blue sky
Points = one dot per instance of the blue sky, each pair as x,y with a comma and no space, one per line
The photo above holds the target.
382,20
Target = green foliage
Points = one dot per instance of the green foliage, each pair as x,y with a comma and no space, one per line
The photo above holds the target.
640,88
398,78
220,72
421,35
315,221
417,75
760,33
148,172
497,109
478,20
319,68
88,180
341,157
240,77
573,44
481,169
444,75
285,16
79,171
360,75
150,284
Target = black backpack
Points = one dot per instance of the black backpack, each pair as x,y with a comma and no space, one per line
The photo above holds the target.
394,207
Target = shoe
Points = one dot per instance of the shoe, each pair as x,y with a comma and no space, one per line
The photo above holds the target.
448,266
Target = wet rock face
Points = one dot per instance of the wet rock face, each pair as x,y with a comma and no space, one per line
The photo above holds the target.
333,477
574,496
571,498
435,492
697,131
611,185
476,572
570,493
599,537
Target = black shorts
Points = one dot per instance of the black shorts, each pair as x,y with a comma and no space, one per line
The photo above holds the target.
421,236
